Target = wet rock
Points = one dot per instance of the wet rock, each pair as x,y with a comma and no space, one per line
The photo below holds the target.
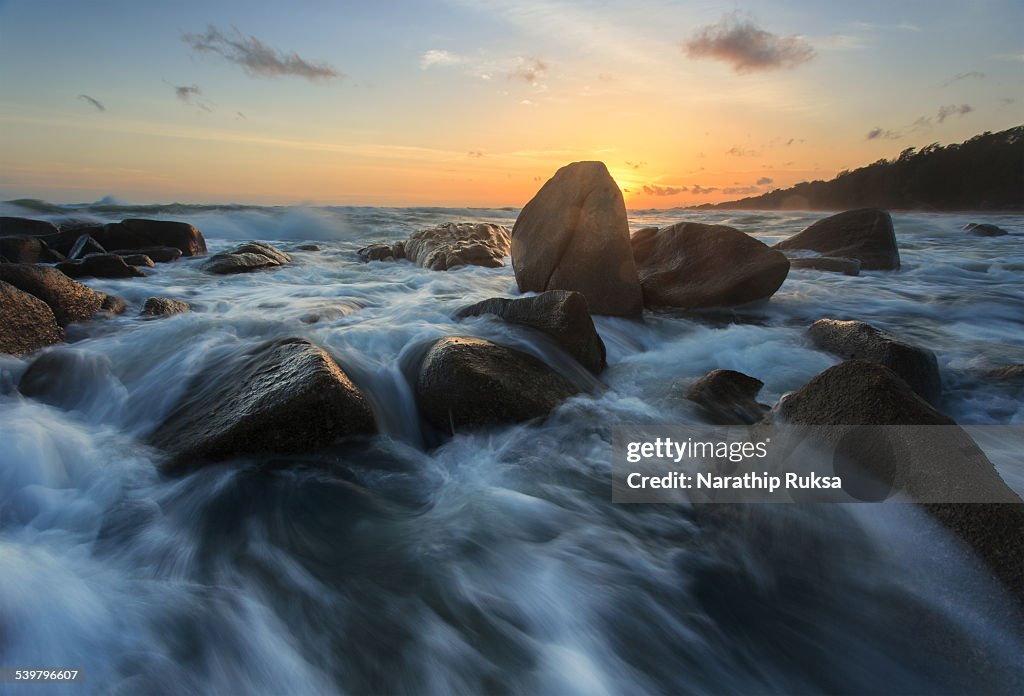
1010,373
83,246
309,247
157,254
857,340
70,301
283,396
561,314
99,266
268,250
19,249
573,235
832,264
984,229
692,265
935,463
26,322
728,397
378,252
865,234
164,306
451,245
67,378
251,256
113,305
140,233
139,260
26,227
468,382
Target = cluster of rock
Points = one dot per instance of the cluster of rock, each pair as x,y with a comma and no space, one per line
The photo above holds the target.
251,256
449,245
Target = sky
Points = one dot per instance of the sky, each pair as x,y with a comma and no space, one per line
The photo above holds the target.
478,102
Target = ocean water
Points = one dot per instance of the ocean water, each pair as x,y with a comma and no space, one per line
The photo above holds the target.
495,563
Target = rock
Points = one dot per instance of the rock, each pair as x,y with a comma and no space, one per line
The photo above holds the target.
377,252
865,234
451,245
984,229
1010,373
164,306
99,266
157,254
26,227
283,396
832,264
309,247
857,340
138,260
68,379
26,322
251,256
70,301
139,233
84,245
469,382
268,250
936,463
27,250
561,314
113,305
729,397
573,235
692,265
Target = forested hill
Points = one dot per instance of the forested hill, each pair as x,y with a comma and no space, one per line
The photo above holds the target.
983,173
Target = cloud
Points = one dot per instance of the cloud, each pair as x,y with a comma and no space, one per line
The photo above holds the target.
256,57
475,154
921,123
186,93
699,190
240,116
737,151
876,133
636,165
94,102
435,57
953,110
765,181
747,47
654,190
972,75
529,70
740,190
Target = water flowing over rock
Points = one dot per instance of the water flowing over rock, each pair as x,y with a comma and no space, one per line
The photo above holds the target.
984,229
865,234
573,235
99,266
69,300
251,256
447,246
728,397
832,264
693,265
283,396
856,340
468,382
561,314
164,306
26,322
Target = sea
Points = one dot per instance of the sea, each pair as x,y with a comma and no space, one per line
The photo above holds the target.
496,562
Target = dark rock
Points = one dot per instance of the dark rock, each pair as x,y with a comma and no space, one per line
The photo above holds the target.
573,235
729,397
452,244
692,265
70,301
27,227
163,306
309,247
99,266
268,250
139,233
26,322
284,396
561,314
469,382
138,260
157,254
865,234
937,463
113,305
857,340
377,252
251,256
67,378
27,250
832,264
84,245
984,229
1010,373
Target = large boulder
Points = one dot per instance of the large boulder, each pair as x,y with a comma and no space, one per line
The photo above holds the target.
138,233
561,314
573,235
469,382
69,301
283,396
857,340
692,265
251,256
100,266
26,322
27,227
728,397
22,249
934,464
865,234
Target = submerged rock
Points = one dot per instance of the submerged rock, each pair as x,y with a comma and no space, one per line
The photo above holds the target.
26,322
283,396
692,265
832,264
469,382
67,378
573,235
70,301
857,340
1010,373
729,397
99,266
984,229
164,306
865,234
251,256
561,314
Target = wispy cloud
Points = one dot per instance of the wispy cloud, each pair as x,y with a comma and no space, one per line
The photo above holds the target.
529,70
877,133
953,110
740,190
655,190
700,190
185,93
94,102
475,154
737,151
636,165
747,47
972,75
435,57
765,181
256,57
